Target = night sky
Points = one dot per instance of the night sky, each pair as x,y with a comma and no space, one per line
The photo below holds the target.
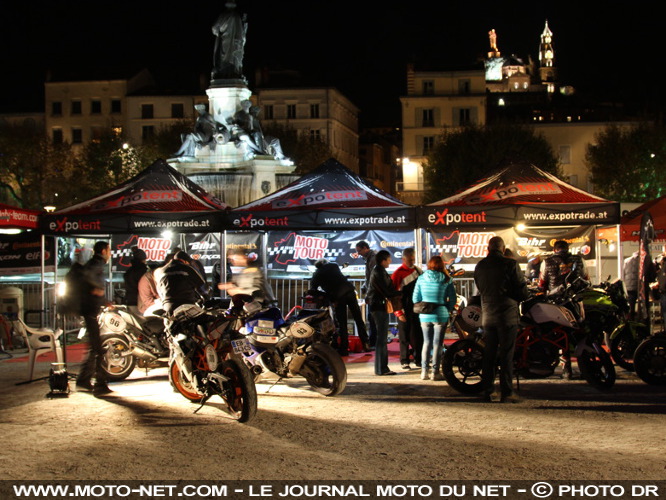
360,47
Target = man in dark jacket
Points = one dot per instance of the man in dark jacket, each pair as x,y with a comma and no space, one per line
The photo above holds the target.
180,283
329,278
132,276
92,300
558,266
501,286
370,258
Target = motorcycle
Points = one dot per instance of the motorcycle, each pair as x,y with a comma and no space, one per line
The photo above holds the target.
130,340
292,347
650,359
606,312
550,326
204,362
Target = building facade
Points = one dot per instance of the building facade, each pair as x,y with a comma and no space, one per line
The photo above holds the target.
321,113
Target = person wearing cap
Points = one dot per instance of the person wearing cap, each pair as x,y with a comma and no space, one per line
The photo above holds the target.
180,283
339,289
132,276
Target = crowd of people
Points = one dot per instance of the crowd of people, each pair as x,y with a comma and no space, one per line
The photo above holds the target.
422,301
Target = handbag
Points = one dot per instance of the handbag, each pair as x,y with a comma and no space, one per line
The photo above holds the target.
425,307
393,304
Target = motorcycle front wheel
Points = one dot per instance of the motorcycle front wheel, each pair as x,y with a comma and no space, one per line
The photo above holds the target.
117,363
181,384
324,370
462,364
239,392
624,344
597,368
650,360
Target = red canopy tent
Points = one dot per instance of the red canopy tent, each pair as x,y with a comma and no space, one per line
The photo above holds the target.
519,193
156,199
630,224
331,196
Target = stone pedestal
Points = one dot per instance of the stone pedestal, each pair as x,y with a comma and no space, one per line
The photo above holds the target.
230,172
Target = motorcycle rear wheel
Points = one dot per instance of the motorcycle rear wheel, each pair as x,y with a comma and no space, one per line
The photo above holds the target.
181,384
597,368
324,370
462,364
239,392
117,364
650,360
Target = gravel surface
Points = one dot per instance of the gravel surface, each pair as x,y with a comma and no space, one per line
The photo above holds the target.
387,428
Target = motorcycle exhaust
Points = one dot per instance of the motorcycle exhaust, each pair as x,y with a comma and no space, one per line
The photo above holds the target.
296,363
256,370
141,352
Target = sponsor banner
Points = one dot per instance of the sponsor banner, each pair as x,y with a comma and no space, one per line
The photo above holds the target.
204,247
319,198
128,223
509,215
22,254
514,189
10,217
468,247
154,196
344,218
297,251
156,248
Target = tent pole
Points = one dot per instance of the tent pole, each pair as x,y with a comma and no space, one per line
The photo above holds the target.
619,253
42,307
223,261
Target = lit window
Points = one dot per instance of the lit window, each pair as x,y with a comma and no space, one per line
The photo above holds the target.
500,102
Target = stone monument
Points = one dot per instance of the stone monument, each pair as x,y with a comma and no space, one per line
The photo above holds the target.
227,153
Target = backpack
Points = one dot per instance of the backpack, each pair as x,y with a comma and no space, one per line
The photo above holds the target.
70,303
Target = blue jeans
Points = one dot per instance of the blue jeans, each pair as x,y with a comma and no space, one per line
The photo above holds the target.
432,344
381,350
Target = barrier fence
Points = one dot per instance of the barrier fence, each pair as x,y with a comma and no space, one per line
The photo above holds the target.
288,292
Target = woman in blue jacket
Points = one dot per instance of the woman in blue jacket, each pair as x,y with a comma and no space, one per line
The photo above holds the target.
435,286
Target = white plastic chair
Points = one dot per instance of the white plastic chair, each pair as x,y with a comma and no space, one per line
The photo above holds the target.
39,341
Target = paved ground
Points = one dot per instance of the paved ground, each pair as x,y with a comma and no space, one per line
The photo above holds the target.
387,428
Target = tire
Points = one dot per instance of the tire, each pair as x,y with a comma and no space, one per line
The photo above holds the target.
461,366
650,360
182,385
117,364
240,393
597,368
624,344
324,370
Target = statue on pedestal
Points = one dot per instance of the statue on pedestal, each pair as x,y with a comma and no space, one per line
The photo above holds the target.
207,132
230,30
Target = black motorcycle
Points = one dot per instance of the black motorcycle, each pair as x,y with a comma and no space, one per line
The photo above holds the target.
650,359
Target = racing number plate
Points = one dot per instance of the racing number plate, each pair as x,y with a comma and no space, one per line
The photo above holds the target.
241,345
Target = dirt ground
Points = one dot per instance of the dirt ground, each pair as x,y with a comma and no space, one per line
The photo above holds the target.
385,428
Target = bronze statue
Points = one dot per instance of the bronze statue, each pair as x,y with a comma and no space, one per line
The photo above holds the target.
230,30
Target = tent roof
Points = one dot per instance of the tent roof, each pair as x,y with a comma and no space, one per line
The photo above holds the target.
630,224
17,218
519,183
158,188
330,185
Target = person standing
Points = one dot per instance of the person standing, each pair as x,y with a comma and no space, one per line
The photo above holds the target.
369,256
380,291
502,287
132,277
250,281
409,331
434,286
558,266
329,278
661,282
179,283
93,299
